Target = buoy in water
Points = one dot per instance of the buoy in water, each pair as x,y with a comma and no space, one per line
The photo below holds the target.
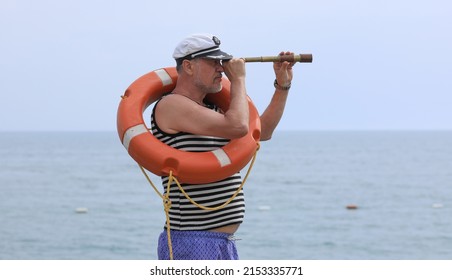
351,207
81,210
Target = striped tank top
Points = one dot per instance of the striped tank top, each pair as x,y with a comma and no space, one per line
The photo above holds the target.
183,214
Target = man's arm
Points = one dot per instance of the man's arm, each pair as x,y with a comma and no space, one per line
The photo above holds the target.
274,111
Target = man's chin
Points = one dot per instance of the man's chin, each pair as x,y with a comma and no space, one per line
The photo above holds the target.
217,89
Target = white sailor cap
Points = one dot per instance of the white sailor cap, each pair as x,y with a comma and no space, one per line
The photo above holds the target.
200,45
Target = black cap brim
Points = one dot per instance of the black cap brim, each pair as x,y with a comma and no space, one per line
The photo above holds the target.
216,55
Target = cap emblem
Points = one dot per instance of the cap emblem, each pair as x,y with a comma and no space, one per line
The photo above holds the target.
216,40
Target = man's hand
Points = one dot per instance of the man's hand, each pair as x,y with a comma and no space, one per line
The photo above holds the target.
234,69
283,71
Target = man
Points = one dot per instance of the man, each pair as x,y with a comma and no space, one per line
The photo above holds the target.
184,121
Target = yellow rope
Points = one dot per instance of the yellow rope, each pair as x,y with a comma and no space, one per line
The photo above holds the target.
166,205
167,202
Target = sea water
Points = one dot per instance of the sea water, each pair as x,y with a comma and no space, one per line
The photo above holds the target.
78,195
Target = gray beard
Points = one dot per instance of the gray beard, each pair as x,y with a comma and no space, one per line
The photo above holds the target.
206,89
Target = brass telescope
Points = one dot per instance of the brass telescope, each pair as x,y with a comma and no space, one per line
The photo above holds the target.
305,58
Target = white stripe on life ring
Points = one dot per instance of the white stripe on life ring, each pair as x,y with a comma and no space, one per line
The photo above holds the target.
222,157
164,76
132,132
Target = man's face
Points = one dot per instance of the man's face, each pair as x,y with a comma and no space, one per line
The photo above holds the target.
207,75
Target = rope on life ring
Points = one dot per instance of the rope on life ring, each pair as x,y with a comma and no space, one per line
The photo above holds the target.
167,201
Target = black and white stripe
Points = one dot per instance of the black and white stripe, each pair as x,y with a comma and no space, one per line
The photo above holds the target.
183,214
201,52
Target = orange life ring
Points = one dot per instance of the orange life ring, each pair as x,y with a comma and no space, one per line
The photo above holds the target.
159,158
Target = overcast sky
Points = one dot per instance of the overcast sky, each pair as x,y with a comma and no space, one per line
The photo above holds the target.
377,64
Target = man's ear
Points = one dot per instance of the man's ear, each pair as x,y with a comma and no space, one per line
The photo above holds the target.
187,66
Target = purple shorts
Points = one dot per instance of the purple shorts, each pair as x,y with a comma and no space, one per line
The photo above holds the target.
198,245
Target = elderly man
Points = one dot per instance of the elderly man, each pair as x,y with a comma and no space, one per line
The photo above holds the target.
183,120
